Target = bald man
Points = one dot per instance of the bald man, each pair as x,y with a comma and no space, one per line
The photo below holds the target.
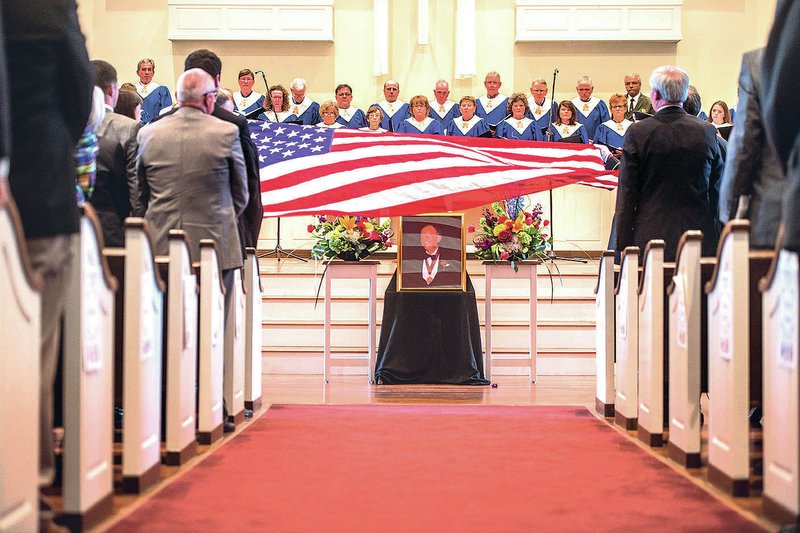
443,110
395,110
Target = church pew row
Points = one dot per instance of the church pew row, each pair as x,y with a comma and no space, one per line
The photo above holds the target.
626,399
211,344
604,331
20,329
781,294
88,343
734,356
139,332
687,348
252,369
653,350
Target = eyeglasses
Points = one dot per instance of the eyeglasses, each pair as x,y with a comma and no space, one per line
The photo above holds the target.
419,105
328,113
344,95
214,92
619,107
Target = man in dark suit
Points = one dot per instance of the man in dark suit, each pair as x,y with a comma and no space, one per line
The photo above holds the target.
636,100
753,174
669,177
249,222
50,83
5,122
781,70
431,265
116,189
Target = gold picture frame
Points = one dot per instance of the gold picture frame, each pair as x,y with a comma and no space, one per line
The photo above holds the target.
432,253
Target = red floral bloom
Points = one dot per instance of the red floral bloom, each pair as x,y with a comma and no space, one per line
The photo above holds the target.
504,236
311,228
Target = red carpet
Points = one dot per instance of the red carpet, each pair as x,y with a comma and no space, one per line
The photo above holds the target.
428,468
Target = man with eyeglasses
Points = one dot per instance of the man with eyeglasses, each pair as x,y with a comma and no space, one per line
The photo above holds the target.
305,109
443,110
541,107
636,100
592,111
395,111
492,105
349,116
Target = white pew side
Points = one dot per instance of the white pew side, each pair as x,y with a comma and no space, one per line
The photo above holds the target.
626,400
211,344
253,328
605,333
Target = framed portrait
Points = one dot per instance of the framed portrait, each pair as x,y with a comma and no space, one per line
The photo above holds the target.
432,253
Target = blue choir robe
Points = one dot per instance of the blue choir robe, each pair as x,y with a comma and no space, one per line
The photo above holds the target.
561,131
475,127
702,115
155,97
444,113
492,110
611,133
306,111
428,126
393,113
352,118
521,130
247,104
280,116
591,114
541,114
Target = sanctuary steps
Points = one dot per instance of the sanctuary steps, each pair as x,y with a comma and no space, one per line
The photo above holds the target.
293,335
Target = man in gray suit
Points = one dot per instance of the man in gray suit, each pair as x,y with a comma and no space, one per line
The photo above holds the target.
752,169
116,189
192,175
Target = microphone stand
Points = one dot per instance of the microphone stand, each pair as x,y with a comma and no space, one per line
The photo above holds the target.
549,133
278,250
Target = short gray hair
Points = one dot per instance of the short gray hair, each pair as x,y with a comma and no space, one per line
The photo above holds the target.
297,83
671,82
586,80
192,85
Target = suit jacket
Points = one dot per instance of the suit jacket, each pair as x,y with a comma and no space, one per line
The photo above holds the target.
192,175
643,104
5,120
50,83
781,71
116,188
448,272
250,220
668,182
752,166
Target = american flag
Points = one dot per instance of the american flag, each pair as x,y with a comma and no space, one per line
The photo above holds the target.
308,170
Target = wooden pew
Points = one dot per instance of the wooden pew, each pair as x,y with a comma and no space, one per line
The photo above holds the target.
653,337
734,358
605,333
211,345
233,366
626,400
140,326
686,303
88,455
780,292
180,348
20,329
252,344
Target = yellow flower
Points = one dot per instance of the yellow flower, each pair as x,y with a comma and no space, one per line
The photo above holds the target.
349,223
498,228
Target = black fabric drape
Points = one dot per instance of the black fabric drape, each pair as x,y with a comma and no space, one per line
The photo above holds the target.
430,337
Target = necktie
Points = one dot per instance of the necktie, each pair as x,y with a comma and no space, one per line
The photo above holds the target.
631,106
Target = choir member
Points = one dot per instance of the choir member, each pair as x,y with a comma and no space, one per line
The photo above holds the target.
276,109
374,118
443,110
420,122
394,110
304,108
349,116
720,115
567,124
246,99
592,111
468,124
518,125
492,105
155,97
330,113
611,132
541,107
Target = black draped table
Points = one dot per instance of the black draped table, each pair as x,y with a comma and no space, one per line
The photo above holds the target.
430,337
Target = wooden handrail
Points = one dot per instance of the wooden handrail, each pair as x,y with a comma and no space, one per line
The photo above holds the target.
766,282
654,244
630,250
606,253
252,251
34,281
686,238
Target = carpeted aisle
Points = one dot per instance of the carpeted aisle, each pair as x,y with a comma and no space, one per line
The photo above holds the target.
432,468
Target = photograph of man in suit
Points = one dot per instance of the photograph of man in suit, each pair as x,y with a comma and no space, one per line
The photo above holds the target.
431,255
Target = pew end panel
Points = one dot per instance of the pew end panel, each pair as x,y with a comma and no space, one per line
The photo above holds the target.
604,341
143,355
181,352
233,366
20,329
684,294
253,332
88,477
626,340
781,294
650,309
211,344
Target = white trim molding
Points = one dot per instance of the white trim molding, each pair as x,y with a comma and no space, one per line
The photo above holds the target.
253,20
599,20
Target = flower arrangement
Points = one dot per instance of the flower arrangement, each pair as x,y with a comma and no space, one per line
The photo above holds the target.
351,238
511,238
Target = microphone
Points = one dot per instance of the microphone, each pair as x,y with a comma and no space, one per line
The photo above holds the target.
259,72
555,71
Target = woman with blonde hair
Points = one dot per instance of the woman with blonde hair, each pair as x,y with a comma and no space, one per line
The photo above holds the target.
420,121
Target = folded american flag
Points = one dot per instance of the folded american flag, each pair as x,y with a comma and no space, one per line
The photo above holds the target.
308,170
